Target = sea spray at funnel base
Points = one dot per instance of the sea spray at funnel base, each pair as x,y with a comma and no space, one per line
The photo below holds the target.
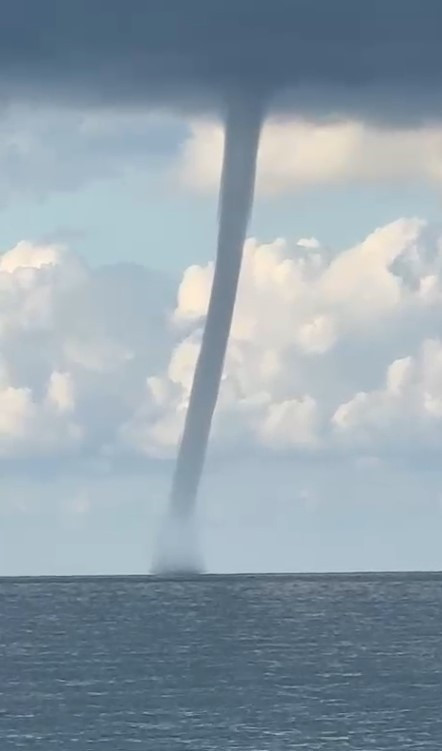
242,131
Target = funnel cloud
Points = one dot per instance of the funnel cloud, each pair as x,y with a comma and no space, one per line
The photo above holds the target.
242,129
243,124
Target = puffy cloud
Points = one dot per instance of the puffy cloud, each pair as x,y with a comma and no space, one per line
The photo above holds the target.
32,426
303,319
48,148
328,352
61,392
407,408
297,154
308,242
314,295
77,344
289,423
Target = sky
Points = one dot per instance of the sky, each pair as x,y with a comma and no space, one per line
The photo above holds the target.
325,454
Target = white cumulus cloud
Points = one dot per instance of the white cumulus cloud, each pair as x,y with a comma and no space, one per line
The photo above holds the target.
52,148
76,343
329,351
312,330
406,408
297,154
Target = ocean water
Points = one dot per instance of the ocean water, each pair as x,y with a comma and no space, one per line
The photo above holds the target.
241,662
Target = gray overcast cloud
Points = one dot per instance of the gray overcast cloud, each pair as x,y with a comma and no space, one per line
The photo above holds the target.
337,55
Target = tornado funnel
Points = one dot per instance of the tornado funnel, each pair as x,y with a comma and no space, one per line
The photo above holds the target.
243,126
242,130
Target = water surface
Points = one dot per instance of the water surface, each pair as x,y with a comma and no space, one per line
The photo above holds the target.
252,663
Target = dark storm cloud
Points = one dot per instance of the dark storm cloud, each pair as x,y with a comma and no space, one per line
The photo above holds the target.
194,52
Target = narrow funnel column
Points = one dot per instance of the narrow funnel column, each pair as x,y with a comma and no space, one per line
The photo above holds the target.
242,132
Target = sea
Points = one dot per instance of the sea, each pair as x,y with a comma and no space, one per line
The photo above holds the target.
251,663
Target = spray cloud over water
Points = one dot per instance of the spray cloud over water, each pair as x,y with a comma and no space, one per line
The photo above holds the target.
242,130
